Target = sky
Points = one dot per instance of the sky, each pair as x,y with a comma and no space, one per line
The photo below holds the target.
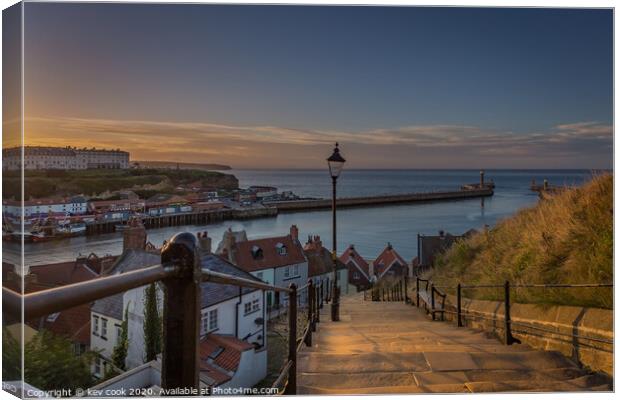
276,86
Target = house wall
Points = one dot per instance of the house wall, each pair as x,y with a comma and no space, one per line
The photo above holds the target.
252,369
356,276
300,280
268,276
97,342
247,330
104,345
133,301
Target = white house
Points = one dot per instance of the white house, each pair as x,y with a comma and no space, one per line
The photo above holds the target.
43,207
231,317
278,260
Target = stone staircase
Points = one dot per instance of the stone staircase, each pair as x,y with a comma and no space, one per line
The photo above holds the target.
389,347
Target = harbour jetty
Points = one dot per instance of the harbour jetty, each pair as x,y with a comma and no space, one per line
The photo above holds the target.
190,218
369,201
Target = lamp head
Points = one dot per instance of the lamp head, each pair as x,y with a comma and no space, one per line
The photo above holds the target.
335,163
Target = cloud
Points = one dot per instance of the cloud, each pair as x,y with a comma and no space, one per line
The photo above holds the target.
266,145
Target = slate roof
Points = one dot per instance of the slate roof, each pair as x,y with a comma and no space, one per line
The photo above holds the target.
130,260
270,257
320,262
212,293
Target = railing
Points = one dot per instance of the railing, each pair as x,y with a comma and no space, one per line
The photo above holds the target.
396,291
429,304
181,275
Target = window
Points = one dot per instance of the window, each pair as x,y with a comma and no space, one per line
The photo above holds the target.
296,270
104,328
95,325
356,275
287,272
255,305
98,367
52,317
251,306
213,320
281,249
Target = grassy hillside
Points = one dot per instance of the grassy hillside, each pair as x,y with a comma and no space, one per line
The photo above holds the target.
566,238
94,182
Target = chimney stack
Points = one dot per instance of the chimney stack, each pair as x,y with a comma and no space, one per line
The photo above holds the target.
295,232
204,242
134,237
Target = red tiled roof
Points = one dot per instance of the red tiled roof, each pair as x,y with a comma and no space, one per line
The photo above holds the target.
270,258
351,255
61,274
73,323
228,356
386,259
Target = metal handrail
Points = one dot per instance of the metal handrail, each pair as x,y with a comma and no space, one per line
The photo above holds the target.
218,277
507,320
53,300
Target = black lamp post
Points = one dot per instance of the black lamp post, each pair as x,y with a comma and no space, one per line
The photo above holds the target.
335,162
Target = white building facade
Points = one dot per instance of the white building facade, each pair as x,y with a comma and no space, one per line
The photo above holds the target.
63,158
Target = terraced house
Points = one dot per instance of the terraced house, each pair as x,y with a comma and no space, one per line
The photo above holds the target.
276,260
232,329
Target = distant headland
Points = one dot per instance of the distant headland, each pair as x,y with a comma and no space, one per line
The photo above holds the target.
181,165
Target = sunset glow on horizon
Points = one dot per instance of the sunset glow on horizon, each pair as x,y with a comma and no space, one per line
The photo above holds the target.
262,87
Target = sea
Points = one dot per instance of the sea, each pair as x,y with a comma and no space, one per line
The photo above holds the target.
369,229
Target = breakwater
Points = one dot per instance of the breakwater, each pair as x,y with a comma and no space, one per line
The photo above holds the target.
346,202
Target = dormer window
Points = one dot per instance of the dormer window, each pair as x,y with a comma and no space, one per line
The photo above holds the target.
281,249
257,252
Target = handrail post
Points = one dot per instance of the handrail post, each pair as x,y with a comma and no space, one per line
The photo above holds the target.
459,323
405,280
433,300
291,387
181,314
417,292
311,311
507,328
319,305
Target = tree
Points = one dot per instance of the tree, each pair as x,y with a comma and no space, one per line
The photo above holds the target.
11,357
152,324
51,364
119,354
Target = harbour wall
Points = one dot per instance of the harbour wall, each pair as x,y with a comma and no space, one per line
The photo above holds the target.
346,202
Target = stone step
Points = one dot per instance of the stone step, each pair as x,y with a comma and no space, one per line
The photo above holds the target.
431,361
368,362
396,346
536,360
430,378
534,386
443,388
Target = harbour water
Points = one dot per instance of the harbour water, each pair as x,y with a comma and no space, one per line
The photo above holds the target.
368,228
